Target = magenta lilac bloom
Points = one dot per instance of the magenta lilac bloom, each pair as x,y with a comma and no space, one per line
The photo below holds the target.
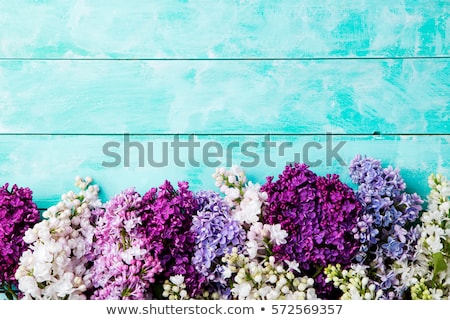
319,215
18,213
168,214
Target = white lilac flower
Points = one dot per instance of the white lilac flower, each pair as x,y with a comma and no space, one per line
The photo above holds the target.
354,283
268,280
55,265
175,289
177,280
244,197
277,235
242,290
262,237
433,247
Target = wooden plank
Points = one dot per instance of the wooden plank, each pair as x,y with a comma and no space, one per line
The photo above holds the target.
223,29
48,164
107,97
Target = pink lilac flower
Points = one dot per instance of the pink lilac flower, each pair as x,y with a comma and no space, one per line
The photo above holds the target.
124,262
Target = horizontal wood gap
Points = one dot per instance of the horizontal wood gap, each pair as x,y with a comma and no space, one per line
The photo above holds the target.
224,134
227,59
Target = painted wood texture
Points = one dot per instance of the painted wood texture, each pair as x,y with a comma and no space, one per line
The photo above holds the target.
223,28
48,164
345,96
299,68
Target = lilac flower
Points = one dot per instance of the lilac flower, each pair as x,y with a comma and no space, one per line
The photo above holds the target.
168,215
386,227
124,263
57,262
393,248
319,215
429,274
18,213
244,197
216,233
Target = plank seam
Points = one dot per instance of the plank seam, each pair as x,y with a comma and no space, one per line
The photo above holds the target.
228,59
225,134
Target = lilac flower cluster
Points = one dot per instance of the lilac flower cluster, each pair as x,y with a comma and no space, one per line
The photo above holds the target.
301,236
18,213
56,264
386,228
216,234
124,261
430,272
319,215
168,217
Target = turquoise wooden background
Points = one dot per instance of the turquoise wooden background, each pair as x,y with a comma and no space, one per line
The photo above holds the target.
75,75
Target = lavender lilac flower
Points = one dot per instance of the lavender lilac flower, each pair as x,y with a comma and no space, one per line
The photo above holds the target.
216,233
386,228
319,215
18,213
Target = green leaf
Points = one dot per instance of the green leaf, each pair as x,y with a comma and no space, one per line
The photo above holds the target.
439,264
9,295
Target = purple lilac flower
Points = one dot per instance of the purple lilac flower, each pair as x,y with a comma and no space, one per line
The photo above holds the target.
124,263
386,227
168,214
319,215
18,213
216,234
